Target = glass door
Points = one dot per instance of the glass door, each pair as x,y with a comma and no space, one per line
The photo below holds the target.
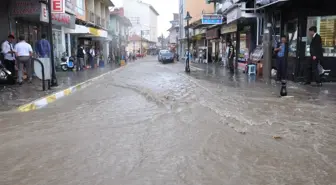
57,41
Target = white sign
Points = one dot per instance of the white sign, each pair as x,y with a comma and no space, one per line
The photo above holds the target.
233,15
57,6
44,13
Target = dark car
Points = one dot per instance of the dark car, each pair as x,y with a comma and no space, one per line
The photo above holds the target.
167,57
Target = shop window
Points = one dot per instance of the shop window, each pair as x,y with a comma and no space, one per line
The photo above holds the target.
326,27
291,29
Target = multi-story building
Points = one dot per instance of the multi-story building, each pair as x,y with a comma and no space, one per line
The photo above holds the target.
118,30
173,32
196,8
143,17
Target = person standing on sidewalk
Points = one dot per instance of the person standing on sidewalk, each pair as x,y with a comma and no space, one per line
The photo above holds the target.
80,58
316,53
92,54
24,52
231,55
281,62
9,54
43,47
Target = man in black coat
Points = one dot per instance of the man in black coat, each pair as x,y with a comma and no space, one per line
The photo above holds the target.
316,53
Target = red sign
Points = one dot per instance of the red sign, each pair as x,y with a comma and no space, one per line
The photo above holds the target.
61,18
57,6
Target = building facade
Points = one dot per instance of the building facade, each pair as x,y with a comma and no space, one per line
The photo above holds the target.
118,31
84,22
143,17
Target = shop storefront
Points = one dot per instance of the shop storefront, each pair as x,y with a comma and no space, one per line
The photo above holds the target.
295,22
246,34
213,40
27,20
229,32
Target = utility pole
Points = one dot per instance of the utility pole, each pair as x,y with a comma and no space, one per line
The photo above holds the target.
162,39
52,60
141,33
267,63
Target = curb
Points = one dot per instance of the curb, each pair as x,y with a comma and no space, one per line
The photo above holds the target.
44,101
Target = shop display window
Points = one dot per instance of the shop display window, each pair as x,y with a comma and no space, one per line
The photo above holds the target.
326,27
291,29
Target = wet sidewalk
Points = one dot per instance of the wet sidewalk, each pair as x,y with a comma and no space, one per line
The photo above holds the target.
12,96
219,74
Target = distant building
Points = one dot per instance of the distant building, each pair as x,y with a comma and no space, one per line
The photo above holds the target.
173,32
143,17
118,31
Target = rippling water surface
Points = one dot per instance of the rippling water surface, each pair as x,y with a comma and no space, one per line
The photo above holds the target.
153,124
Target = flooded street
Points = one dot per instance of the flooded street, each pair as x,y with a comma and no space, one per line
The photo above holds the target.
152,124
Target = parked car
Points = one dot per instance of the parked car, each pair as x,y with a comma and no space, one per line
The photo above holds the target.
167,57
138,55
160,54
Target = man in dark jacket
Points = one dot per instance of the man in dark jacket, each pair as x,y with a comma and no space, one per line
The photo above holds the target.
316,53
80,57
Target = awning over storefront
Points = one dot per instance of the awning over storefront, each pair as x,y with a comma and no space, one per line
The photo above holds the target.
265,3
89,32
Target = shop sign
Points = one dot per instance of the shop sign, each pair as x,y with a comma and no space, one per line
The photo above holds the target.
212,19
57,6
44,13
97,32
229,28
212,34
233,15
64,19
25,8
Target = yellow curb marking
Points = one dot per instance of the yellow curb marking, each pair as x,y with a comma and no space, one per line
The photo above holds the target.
27,107
67,92
51,98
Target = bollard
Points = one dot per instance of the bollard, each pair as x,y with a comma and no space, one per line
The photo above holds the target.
283,90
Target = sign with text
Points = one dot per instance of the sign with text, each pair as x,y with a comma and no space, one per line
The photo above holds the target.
25,8
57,6
212,19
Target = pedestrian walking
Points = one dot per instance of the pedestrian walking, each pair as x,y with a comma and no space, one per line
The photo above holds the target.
231,54
43,47
281,62
80,58
316,53
24,52
7,50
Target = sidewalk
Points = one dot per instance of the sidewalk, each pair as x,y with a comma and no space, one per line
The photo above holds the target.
218,74
12,96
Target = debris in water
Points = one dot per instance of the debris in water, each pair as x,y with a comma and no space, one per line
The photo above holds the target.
277,137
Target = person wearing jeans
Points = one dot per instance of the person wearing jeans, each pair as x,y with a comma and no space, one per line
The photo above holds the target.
281,62
24,53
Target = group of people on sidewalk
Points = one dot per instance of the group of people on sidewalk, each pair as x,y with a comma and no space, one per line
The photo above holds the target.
17,57
316,53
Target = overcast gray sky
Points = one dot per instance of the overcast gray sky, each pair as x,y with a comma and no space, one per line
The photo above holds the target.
165,9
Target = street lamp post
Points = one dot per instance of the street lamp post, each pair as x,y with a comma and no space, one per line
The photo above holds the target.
187,67
52,60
